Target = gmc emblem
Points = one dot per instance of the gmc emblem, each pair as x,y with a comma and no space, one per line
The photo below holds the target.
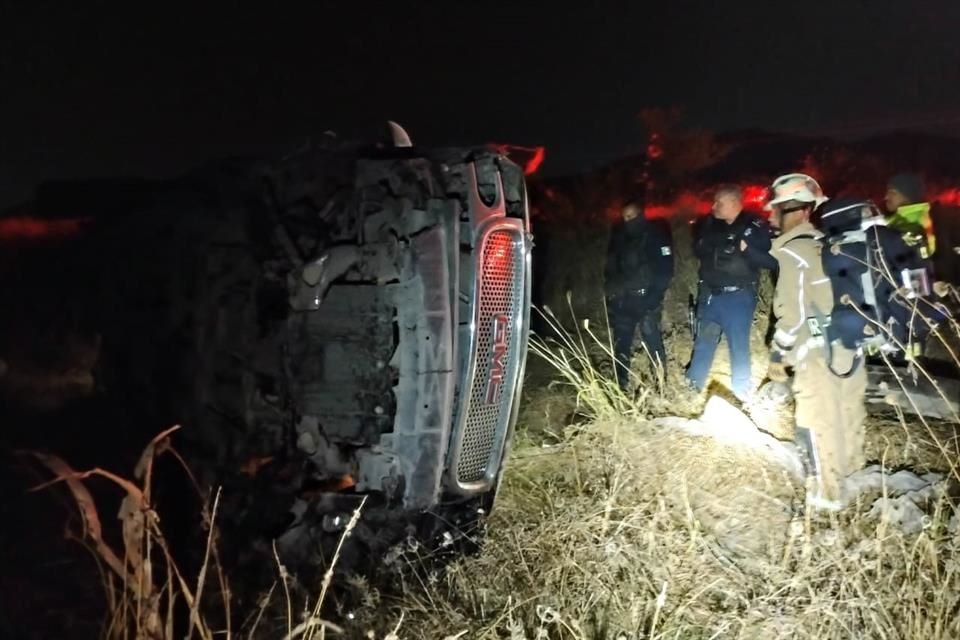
497,366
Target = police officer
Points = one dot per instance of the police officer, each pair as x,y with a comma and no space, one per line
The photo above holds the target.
829,385
638,272
932,228
732,246
909,213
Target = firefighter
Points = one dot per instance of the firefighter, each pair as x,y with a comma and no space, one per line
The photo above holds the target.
931,228
638,272
830,381
733,247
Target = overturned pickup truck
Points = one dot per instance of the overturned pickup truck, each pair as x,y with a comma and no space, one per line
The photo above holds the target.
348,321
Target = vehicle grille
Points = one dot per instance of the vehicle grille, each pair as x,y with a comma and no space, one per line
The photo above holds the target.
498,303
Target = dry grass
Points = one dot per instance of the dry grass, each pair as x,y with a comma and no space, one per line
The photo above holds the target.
624,529
627,529
633,530
144,588
148,596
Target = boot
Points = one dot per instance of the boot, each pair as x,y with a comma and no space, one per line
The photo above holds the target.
815,498
817,501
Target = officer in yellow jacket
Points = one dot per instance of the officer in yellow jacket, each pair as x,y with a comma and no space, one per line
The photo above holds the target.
830,409
932,228
909,213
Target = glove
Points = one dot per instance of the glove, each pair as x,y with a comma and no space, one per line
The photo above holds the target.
941,289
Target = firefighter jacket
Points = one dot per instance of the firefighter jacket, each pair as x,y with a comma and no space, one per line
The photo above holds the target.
722,262
639,258
804,296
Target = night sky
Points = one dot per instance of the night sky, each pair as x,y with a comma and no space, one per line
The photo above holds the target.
94,90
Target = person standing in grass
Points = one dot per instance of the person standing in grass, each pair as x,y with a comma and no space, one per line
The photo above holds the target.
830,406
637,275
930,227
732,246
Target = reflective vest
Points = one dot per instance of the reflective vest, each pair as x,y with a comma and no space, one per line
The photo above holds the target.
914,223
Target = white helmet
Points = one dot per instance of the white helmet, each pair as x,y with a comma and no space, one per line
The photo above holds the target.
795,186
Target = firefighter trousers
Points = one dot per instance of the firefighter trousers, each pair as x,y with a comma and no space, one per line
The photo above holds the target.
832,408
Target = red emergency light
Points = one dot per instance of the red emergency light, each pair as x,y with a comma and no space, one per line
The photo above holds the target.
531,164
31,228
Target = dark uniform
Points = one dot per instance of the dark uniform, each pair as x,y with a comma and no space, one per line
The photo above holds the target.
638,272
727,296
946,259
928,227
